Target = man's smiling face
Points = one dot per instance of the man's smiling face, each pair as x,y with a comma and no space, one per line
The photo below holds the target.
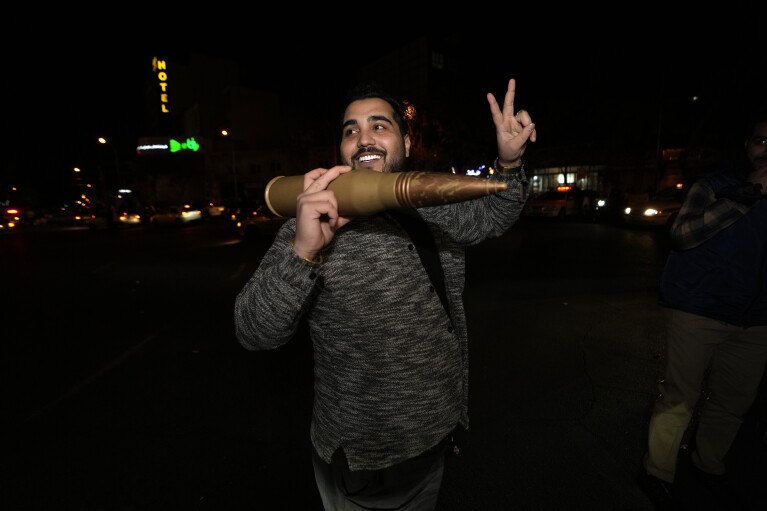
371,139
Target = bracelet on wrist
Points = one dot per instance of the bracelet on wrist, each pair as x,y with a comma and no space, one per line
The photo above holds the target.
313,262
507,170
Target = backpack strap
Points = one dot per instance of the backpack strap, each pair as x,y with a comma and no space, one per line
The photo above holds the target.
422,238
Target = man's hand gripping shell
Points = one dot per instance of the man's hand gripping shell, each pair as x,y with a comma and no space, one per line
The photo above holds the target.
512,130
317,216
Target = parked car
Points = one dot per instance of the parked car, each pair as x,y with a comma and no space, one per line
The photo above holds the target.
213,210
175,215
560,202
254,219
660,210
608,207
10,218
66,216
129,218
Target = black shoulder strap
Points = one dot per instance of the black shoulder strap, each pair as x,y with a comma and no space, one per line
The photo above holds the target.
423,240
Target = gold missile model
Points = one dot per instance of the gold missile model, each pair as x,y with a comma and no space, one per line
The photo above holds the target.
365,192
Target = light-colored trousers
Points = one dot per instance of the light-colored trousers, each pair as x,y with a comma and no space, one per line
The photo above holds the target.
734,359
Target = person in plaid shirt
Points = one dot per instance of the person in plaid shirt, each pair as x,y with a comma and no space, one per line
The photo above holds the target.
714,289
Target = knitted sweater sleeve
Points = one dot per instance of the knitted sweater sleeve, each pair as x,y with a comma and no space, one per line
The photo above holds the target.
471,222
268,309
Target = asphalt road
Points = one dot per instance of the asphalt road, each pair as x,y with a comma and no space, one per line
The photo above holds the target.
126,389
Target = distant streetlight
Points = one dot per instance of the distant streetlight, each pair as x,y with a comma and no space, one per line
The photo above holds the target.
225,133
78,175
103,141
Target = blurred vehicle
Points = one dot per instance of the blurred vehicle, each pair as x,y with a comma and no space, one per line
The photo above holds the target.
600,210
175,215
561,202
66,216
129,218
101,217
212,210
10,218
608,207
600,207
660,210
254,219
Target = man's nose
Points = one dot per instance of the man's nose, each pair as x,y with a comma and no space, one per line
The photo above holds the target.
365,138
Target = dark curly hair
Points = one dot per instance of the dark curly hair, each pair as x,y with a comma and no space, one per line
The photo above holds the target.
758,116
371,89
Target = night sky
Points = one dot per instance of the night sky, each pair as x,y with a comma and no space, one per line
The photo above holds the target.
589,83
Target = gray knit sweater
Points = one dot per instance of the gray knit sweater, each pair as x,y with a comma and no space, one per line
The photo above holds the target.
391,369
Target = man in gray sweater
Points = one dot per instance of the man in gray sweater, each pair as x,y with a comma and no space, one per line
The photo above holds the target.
391,360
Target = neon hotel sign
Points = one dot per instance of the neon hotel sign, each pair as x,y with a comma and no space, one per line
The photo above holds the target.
160,68
164,145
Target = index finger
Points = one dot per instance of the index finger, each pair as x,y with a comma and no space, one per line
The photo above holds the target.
319,179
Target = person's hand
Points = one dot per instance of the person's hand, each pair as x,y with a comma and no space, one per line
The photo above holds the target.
317,216
513,130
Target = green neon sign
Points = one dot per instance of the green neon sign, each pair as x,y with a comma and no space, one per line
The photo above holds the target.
189,145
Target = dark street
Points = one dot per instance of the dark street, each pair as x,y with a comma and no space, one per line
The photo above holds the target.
127,390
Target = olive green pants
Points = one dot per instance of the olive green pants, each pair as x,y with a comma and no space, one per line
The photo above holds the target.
725,360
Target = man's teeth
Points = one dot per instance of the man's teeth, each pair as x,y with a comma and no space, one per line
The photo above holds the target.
369,157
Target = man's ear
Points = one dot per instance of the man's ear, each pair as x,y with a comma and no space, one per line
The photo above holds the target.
407,146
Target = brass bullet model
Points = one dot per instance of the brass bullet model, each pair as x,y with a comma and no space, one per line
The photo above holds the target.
365,192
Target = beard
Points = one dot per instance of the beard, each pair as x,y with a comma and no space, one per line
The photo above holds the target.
392,162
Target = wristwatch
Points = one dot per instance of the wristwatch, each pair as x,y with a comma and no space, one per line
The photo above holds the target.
513,172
